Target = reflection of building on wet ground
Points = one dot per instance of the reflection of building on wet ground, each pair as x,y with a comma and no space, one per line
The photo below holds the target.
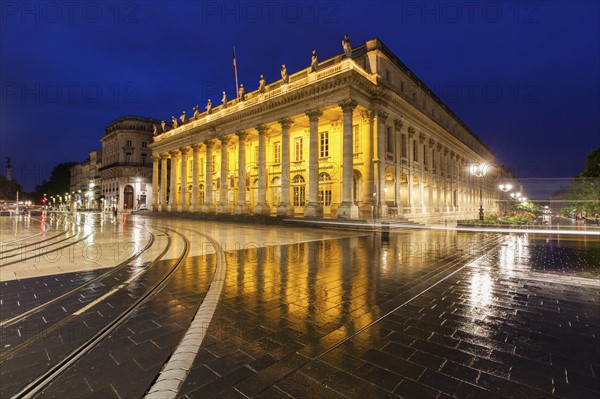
358,138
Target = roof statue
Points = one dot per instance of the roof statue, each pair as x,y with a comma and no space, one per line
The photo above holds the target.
347,47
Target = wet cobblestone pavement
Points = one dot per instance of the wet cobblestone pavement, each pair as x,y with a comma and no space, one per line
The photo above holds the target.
419,314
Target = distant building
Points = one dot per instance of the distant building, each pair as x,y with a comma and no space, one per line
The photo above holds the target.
85,180
360,137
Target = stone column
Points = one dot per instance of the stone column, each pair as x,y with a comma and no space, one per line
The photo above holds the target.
422,172
411,167
183,180
164,184
262,207
285,208
195,161
380,161
369,184
209,206
347,209
155,159
172,183
241,207
223,200
398,163
313,208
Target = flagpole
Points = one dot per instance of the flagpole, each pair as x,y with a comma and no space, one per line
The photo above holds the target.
237,95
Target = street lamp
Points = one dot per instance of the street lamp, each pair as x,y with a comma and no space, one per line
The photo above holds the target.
505,188
479,171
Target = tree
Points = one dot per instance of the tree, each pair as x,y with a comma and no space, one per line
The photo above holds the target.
59,182
583,195
9,188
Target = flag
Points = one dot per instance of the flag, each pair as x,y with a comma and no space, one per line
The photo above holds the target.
234,62
237,94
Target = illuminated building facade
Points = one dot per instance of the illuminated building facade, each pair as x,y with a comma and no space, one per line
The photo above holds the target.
349,138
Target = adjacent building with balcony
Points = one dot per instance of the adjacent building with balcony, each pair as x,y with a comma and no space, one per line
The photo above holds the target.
356,136
126,171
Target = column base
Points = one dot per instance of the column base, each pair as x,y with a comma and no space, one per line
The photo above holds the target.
169,208
313,210
241,209
347,211
223,208
209,208
179,208
193,208
154,207
262,209
285,210
382,210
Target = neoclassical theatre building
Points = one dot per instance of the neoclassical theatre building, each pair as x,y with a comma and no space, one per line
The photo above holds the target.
355,136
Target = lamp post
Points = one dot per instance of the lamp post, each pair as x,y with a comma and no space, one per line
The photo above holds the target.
505,188
479,171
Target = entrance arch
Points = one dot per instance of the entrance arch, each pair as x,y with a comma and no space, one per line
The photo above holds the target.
128,197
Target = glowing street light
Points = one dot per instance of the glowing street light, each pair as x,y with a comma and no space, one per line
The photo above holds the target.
505,188
480,171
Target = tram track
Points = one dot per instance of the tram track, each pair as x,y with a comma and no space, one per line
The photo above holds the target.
37,253
46,376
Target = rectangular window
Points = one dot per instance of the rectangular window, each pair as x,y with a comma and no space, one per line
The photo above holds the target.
299,195
390,141
298,148
433,157
128,143
143,159
277,152
190,167
202,166
415,151
128,157
323,144
424,154
325,197
144,144
356,139
403,144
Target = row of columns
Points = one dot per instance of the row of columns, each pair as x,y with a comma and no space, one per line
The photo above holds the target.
177,201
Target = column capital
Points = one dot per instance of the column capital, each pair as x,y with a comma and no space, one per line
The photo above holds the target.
242,135
446,150
196,147
210,143
262,129
439,146
156,158
411,132
224,140
184,150
314,114
174,153
348,105
164,155
382,115
398,123
431,143
368,116
285,123
421,136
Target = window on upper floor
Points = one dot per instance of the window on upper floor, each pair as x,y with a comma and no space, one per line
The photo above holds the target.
323,144
298,149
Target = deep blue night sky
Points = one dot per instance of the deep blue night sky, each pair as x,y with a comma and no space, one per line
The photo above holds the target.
523,75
